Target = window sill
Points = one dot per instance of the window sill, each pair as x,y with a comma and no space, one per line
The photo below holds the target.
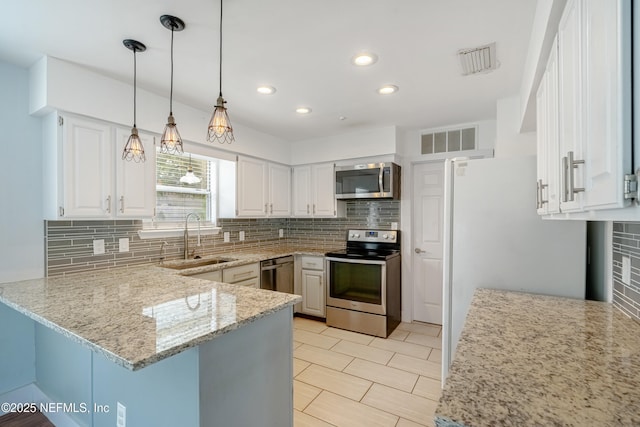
159,233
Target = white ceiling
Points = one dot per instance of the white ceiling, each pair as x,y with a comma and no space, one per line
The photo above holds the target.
302,47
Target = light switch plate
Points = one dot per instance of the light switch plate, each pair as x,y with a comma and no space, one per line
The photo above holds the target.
227,238
626,270
241,236
121,415
98,247
123,244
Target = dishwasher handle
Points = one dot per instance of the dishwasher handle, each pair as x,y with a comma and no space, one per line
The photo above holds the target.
272,267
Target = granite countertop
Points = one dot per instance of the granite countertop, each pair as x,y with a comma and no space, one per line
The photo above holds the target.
532,360
137,316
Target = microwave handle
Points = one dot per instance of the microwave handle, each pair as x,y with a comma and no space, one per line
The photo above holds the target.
380,179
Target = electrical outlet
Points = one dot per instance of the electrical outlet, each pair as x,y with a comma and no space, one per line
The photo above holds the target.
123,244
281,233
241,236
394,225
227,237
626,270
98,247
121,416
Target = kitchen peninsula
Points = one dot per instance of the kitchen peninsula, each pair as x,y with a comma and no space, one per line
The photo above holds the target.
174,350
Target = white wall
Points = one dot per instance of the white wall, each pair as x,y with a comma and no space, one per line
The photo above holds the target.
21,224
61,85
367,143
509,141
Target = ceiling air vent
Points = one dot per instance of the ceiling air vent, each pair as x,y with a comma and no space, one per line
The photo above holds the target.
478,60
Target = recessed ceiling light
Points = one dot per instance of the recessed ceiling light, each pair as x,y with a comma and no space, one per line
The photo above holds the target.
363,59
303,110
266,90
387,89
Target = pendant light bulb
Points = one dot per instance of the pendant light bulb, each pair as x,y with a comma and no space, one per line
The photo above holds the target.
220,126
133,149
171,142
190,177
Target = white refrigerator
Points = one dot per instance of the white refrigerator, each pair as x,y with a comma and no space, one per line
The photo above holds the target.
495,239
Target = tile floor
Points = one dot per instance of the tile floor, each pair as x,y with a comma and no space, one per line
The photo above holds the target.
343,378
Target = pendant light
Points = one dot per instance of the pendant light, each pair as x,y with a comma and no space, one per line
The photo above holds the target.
219,126
190,177
133,149
171,141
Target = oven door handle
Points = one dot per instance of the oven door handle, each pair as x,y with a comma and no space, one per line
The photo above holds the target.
356,261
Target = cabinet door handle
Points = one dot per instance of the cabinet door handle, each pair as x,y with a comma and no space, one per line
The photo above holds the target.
541,187
271,207
571,165
538,194
109,204
308,209
122,204
314,208
265,208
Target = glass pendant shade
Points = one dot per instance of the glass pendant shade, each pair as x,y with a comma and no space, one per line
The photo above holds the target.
220,129
133,149
171,141
190,177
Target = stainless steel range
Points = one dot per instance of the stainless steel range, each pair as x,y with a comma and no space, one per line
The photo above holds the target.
363,283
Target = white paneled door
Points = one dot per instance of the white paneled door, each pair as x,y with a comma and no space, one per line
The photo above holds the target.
428,203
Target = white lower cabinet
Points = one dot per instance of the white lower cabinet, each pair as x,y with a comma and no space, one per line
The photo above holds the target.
312,286
214,276
245,275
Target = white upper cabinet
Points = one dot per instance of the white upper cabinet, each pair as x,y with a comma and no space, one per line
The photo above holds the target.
607,102
87,169
85,175
279,190
314,192
135,182
263,189
548,166
584,162
251,187
570,107
301,191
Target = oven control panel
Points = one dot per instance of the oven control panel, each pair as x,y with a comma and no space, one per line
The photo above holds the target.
389,236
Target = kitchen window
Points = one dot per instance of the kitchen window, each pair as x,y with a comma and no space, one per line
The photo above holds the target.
175,199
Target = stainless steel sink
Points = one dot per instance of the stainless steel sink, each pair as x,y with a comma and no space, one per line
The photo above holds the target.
182,265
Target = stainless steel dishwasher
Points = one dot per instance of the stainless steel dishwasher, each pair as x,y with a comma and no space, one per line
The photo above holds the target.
277,274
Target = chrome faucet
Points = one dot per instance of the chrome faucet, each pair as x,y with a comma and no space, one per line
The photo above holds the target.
186,233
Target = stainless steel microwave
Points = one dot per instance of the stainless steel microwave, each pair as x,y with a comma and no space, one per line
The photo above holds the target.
368,181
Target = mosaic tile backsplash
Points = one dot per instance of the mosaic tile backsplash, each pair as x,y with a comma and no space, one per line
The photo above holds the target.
69,244
626,242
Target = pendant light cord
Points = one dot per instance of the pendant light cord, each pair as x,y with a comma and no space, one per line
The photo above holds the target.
135,78
220,48
171,92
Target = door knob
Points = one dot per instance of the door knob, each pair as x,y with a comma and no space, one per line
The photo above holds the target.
419,251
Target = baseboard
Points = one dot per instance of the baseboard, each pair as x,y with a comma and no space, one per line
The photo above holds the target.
32,394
